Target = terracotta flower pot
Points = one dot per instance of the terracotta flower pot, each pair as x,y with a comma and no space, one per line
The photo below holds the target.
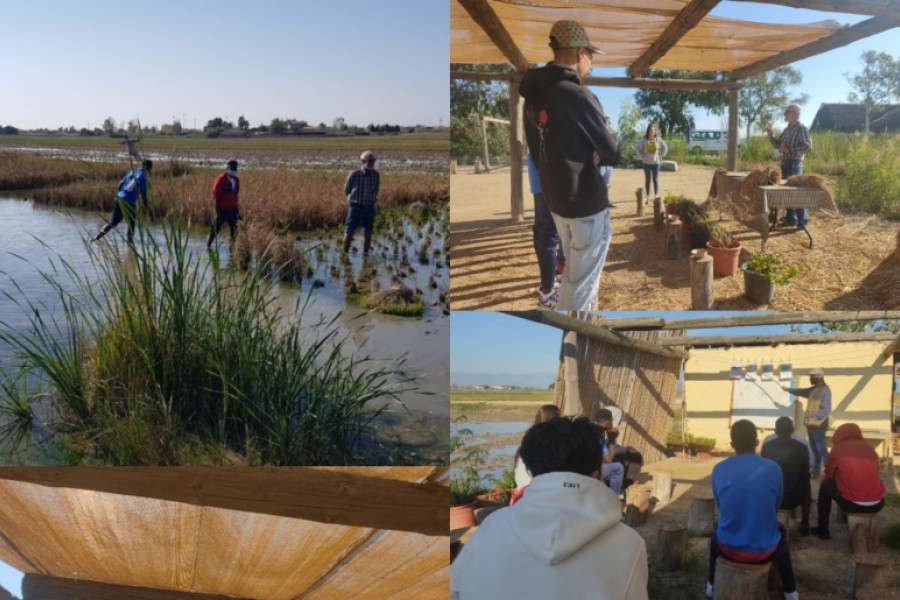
725,258
462,516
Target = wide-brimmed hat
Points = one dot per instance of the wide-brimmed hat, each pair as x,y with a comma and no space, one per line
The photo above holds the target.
570,34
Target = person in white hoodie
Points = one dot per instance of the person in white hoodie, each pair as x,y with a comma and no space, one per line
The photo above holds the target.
564,538
651,149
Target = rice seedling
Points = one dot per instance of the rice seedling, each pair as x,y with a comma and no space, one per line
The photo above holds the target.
159,357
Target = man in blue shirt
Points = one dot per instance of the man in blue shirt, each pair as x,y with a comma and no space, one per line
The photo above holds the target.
748,491
133,184
361,190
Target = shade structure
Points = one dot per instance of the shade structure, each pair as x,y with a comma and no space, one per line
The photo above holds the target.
685,36
227,532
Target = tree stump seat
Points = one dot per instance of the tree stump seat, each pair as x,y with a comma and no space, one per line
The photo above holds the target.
740,581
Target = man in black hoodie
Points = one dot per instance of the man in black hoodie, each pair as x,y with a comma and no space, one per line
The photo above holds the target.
568,137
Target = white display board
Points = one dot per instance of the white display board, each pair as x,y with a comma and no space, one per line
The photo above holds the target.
761,400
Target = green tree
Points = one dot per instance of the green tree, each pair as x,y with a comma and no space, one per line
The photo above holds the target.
277,126
109,126
671,109
469,101
848,327
243,123
763,94
629,130
465,137
876,84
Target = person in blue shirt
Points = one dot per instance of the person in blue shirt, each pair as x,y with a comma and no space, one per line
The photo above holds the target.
748,490
134,184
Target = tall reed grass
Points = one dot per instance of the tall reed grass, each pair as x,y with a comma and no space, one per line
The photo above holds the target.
157,356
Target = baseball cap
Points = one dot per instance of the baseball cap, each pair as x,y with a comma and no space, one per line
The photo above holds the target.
570,34
817,371
367,155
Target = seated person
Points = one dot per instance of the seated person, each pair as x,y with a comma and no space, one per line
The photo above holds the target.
564,538
748,491
612,472
851,478
792,456
523,477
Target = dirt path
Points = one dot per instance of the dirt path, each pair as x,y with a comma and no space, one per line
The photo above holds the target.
851,267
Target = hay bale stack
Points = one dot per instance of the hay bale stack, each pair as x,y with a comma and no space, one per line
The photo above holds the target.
811,181
885,282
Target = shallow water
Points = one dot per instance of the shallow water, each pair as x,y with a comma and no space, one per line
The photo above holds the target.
37,233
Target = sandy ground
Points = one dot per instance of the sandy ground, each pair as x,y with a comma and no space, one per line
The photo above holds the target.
494,266
823,569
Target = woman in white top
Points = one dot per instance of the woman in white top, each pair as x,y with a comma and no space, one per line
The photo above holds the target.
651,149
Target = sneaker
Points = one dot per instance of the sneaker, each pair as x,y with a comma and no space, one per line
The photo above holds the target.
709,590
547,301
821,532
795,595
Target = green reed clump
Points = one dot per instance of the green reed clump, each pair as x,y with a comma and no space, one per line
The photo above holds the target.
871,177
159,357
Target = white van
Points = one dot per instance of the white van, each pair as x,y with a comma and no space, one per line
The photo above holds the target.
708,140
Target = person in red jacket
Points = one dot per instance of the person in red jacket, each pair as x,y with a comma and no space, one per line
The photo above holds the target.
851,478
225,195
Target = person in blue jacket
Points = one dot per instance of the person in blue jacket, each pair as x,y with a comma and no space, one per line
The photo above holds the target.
134,184
748,490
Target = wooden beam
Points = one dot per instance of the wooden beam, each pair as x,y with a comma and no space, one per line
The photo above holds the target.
872,8
683,22
490,23
596,332
781,318
516,199
892,348
621,82
843,37
310,493
732,149
772,340
45,587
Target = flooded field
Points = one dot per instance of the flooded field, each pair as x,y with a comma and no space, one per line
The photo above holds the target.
37,233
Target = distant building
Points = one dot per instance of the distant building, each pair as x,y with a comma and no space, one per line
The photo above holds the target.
852,117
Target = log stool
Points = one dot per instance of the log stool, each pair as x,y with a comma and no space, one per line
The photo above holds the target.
863,533
639,196
702,516
701,281
869,574
672,244
637,505
740,581
671,542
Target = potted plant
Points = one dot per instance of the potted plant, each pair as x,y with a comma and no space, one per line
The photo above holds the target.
671,201
763,272
703,446
679,442
465,481
503,490
691,215
724,249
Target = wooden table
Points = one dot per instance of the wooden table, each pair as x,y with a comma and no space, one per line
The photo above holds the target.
782,196
726,185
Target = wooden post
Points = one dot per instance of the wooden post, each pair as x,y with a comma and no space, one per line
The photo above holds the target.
702,516
863,533
658,216
637,507
740,581
671,542
516,201
672,248
869,574
662,488
479,166
453,166
639,196
702,282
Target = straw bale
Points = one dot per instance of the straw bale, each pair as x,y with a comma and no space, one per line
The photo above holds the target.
811,181
769,175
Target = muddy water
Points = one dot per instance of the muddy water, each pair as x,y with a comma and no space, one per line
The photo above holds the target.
36,232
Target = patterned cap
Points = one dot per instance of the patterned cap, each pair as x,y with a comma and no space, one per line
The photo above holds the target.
570,34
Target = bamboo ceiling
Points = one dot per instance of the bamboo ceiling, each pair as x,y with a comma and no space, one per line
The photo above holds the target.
664,34
227,532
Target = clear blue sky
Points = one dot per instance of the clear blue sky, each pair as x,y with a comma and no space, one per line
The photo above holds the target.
77,63
10,580
492,342
823,75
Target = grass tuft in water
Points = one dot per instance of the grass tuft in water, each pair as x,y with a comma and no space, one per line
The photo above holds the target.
160,357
